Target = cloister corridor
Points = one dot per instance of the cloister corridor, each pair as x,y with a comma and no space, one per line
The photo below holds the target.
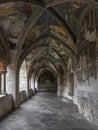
46,111
48,46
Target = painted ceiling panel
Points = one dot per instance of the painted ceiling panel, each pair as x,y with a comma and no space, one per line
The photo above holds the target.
13,17
63,35
46,19
42,25
51,34
70,12
57,31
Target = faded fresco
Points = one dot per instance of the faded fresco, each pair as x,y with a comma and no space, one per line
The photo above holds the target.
13,17
70,12
60,49
42,26
47,24
88,30
35,32
63,35
87,53
87,63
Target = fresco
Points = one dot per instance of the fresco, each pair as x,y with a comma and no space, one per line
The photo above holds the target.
47,24
31,39
87,31
56,44
41,26
13,16
35,32
63,35
55,30
87,63
59,48
47,20
70,12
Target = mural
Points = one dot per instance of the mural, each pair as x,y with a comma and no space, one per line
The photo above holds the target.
87,31
41,29
60,49
60,33
70,12
13,16
87,63
35,32
41,26
47,20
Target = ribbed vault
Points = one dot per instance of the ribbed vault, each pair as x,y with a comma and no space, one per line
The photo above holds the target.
44,33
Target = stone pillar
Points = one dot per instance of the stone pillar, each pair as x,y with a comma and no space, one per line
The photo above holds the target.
11,82
58,85
0,84
4,81
11,86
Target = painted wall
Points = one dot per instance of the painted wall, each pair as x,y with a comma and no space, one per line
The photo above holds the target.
86,92
82,87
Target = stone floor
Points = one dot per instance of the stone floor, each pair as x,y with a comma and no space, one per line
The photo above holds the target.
46,111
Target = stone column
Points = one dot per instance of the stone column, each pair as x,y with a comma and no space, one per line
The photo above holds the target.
4,80
0,84
11,81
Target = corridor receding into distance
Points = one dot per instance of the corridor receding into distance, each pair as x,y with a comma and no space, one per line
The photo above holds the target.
46,111
49,64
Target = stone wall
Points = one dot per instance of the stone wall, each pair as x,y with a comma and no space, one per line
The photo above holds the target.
87,99
22,97
88,105
31,93
85,96
6,105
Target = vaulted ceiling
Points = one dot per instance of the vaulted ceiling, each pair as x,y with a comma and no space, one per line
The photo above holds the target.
43,32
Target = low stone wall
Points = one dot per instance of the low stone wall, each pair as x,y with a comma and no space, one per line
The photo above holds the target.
31,93
22,97
88,105
6,105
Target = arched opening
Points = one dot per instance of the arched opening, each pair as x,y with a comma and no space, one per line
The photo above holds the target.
47,81
23,77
